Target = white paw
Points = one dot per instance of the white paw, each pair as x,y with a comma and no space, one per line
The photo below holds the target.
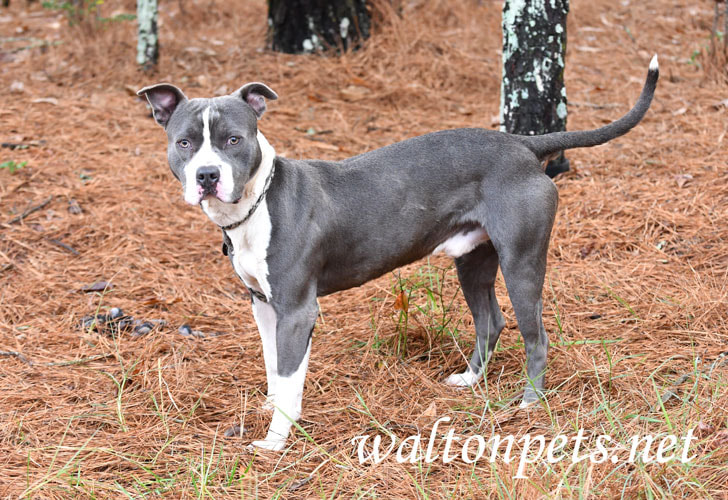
268,444
526,404
466,379
269,404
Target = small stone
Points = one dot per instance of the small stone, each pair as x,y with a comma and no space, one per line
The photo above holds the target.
124,322
142,329
88,322
115,313
186,331
74,207
17,87
99,286
235,431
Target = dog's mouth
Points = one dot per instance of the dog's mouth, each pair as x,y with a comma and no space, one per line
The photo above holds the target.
212,193
209,195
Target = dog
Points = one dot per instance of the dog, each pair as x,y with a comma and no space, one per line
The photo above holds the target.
296,230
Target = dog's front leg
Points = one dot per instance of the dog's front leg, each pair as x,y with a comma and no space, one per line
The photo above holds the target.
265,318
294,326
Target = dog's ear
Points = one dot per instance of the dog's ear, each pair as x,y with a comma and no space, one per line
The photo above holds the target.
255,95
164,99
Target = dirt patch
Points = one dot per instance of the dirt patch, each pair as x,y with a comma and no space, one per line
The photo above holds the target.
635,300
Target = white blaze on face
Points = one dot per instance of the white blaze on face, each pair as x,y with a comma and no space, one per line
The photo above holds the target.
207,157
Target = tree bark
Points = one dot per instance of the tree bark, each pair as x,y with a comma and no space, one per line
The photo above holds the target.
148,41
303,26
533,96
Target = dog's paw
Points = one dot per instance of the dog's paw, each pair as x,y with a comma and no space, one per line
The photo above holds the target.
466,379
530,398
269,404
268,444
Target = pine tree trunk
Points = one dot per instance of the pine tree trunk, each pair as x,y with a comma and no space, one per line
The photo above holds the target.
533,96
148,41
301,26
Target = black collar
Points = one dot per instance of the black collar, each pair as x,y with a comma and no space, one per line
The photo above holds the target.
232,226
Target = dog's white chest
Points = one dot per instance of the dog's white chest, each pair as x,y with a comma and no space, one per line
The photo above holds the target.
250,250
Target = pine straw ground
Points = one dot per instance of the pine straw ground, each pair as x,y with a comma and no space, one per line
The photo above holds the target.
635,300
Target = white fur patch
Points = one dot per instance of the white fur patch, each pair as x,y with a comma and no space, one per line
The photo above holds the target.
462,242
466,379
250,249
265,318
287,402
654,64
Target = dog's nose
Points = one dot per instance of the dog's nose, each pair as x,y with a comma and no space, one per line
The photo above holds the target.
207,177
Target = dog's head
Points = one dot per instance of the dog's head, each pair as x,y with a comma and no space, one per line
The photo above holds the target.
213,147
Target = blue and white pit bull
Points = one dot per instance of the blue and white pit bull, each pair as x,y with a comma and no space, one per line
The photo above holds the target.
299,229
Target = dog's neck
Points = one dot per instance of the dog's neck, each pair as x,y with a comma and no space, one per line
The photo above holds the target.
224,214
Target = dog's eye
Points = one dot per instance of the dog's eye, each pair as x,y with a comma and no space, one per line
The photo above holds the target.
183,143
233,140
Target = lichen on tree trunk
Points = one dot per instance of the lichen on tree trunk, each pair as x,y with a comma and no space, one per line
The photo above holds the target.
301,26
148,40
533,96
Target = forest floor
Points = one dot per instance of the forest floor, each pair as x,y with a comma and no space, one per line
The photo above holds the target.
635,300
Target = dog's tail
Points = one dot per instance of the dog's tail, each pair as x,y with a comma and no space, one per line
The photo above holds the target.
544,146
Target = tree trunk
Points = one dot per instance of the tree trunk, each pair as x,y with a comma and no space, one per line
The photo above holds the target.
533,96
301,26
148,41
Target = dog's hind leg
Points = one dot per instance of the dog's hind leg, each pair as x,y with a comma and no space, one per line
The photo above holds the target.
520,227
477,271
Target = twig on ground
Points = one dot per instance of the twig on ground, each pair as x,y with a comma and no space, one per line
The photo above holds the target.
15,354
31,210
297,484
64,246
79,361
